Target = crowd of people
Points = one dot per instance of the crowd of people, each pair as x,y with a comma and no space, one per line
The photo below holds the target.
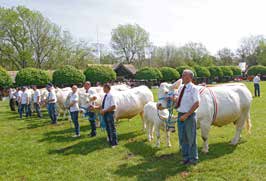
22,99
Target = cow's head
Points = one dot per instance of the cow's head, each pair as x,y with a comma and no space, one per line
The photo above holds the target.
166,92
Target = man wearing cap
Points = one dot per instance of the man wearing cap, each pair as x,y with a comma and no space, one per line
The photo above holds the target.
92,115
52,99
187,103
37,101
24,103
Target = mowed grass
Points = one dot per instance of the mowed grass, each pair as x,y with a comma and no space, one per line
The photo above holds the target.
32,149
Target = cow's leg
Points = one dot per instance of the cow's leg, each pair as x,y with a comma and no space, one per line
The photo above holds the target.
157,129
142,118
149,130
240,124
205,128
168,141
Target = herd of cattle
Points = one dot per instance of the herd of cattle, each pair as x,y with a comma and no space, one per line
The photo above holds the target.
219,105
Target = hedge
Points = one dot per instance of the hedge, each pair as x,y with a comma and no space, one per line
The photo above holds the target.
258,69
98,73
215,71
149,73
202,71
227,72
68,75
236,70
32,76
180,69
169,74
5,79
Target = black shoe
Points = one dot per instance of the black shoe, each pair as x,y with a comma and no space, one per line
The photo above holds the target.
184,162
92,135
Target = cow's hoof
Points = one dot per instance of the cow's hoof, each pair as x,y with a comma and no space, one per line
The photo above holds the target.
205,151
149,139
158,145
169,145
233,143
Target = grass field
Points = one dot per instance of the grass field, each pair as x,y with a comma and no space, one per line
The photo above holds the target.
32,149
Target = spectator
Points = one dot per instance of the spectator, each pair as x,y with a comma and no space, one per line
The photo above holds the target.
12,99
74,109
256,81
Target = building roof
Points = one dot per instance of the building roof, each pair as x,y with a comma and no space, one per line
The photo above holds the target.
129,67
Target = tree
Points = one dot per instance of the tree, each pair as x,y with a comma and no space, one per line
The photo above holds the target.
261,53
32,76
247,49
169,74
129,41
148,73
68,75
225,57
202,71
5,79
99,73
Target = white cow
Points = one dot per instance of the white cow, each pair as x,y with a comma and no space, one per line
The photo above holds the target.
156,119
62,96
221,105
129,102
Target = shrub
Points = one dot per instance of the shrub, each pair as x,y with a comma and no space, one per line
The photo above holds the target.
215,71
148,73
169,74
68,75
202,71
5,79
180,69
32,76
236,70
98,73
258,69
227,72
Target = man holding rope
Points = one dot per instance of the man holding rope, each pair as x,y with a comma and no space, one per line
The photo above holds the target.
187,104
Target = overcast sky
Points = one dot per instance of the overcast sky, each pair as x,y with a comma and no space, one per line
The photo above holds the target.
215,23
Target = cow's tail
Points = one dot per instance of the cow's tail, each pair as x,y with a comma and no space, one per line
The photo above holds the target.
248,124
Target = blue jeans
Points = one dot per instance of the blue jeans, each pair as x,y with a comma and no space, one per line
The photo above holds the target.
38,110
102,123
257,89
110,128
26,108
52,112
188,138
92,118
74,116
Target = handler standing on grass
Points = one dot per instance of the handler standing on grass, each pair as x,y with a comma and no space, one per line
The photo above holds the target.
52,99
108,110
187,104
37,100
25,103
74,109
92,115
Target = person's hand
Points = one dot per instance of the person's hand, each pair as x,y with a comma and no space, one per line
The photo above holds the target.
184,117
102,112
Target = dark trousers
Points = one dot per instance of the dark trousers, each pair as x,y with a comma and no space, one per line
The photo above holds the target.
38,110
52,112
110,128
92,119
12,104
74,117
26,108
257,89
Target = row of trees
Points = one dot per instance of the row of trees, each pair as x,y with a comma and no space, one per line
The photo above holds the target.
28,39
68,75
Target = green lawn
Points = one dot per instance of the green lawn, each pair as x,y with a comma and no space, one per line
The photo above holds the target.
31,149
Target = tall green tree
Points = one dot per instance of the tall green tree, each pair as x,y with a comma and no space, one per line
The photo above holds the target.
129,42
225,57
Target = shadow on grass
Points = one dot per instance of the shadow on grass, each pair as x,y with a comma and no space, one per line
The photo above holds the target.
154,167
94,144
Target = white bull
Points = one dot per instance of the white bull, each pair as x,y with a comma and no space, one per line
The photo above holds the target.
129,102
221,105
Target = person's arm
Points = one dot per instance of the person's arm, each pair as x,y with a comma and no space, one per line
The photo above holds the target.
28,99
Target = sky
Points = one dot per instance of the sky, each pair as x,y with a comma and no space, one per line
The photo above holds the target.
215,23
